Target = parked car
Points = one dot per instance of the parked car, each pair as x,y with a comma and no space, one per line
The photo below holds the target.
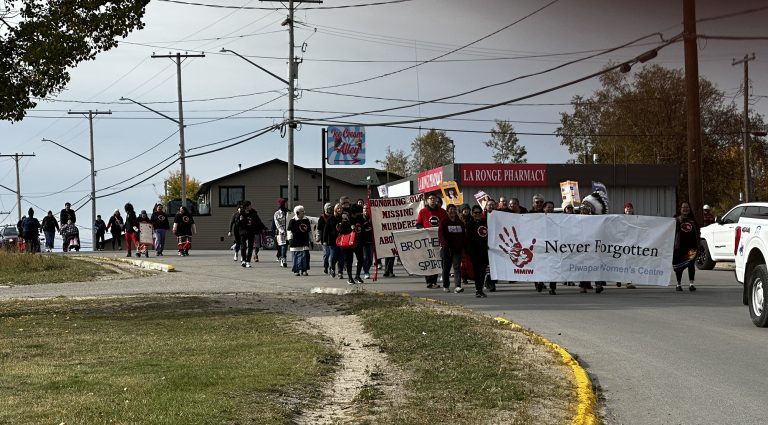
718,239
751,241
9,237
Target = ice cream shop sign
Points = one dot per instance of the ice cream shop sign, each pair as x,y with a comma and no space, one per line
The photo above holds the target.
345,145
503,174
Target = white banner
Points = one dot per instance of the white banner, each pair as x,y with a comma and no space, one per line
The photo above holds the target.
419,251
572,248
391,215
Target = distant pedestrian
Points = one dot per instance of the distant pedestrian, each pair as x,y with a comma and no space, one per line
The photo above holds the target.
431,216
184,228
453,239
477,246
115,227
101,229
249,227
71,237
336,261
67,214
233,222
708,217
280,219
131,228
299,229
50,227
32,232
322,224
592,204
686,245
160,225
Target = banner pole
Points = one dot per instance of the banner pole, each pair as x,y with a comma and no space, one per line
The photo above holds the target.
323,159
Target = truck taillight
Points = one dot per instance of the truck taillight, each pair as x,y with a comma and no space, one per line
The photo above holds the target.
738,238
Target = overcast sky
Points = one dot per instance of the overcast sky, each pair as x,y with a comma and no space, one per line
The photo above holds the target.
385,38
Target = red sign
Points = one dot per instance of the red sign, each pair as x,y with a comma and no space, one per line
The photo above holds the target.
503,175
430,180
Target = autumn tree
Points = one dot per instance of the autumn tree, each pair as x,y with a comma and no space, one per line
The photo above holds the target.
431,150
396,162
173,187
41,40
504,143
642,120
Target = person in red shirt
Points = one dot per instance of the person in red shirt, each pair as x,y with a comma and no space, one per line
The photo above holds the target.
453,238
430,216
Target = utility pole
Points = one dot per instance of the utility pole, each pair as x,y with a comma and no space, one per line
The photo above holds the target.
693,109
182,151
89,114
293,65
745,130
16,158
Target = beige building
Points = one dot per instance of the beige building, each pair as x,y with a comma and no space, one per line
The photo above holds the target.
263,184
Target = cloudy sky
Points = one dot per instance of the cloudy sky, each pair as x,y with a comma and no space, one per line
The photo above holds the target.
225,97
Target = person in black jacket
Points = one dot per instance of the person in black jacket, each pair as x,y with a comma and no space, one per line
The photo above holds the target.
248,226
687,236
322,222
477,235
233,229
131,228
300,230
67,214
160,225
329,237
50,226
101,229
32,232
115,227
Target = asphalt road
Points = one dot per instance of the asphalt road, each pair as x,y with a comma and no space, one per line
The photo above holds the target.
659,356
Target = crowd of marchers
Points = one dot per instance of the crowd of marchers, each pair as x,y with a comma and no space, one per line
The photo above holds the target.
138,238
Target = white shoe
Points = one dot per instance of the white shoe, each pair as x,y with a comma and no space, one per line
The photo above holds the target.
247,265
234,258
459,289
366,276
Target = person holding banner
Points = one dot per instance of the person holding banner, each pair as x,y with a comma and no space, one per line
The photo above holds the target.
686,245
490,206
593,204
453,238
477,246
431,216
503,204
514,206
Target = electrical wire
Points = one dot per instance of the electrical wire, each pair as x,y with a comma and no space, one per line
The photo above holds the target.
62,190
219,6
139,155
265,131
730,37
172,156
444,54
673,40
730,15
238,113
227,140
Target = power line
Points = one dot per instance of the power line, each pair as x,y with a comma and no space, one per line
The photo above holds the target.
238,113
444,54
220,6
139,155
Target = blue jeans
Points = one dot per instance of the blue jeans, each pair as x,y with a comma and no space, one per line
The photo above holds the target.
300,261
337,257
326,257
367,258
49,238
282,251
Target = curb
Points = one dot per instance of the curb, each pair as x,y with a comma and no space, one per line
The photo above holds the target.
140,263
585,411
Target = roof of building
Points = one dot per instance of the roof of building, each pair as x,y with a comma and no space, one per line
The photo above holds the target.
348,175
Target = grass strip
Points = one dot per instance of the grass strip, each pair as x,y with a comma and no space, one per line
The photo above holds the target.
29,269
153,361
463,372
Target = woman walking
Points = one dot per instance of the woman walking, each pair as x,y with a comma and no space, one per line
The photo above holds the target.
131,228
299,229
115,227
50,227
686,245
160,225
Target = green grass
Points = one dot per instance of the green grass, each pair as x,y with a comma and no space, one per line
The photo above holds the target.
463,373
153,361
29,269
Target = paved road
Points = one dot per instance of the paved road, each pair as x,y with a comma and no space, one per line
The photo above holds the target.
660,356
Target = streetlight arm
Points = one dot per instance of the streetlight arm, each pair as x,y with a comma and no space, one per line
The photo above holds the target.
256,65
68,149
150,109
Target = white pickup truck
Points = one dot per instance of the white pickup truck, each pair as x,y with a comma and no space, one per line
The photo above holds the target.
751,242
717,238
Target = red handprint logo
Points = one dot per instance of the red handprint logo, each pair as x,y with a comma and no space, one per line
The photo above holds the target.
519,255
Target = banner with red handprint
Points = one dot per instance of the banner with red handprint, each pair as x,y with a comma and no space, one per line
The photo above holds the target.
568,248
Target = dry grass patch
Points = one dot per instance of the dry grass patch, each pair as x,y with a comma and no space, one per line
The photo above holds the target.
29,269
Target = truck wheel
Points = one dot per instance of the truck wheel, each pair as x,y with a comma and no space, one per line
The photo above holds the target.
758,302
704,260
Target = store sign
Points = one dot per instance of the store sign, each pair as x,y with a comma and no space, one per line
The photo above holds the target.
503,174
345,145
430,180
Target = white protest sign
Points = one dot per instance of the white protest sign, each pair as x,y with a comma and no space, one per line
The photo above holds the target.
419,251
393,214
572,247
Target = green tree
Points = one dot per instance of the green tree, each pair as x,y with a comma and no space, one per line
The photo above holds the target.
431,150
173,187
642,120
41,40
396,162
504,142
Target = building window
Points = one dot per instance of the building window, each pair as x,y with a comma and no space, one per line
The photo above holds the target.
229,196
284,192
320,194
